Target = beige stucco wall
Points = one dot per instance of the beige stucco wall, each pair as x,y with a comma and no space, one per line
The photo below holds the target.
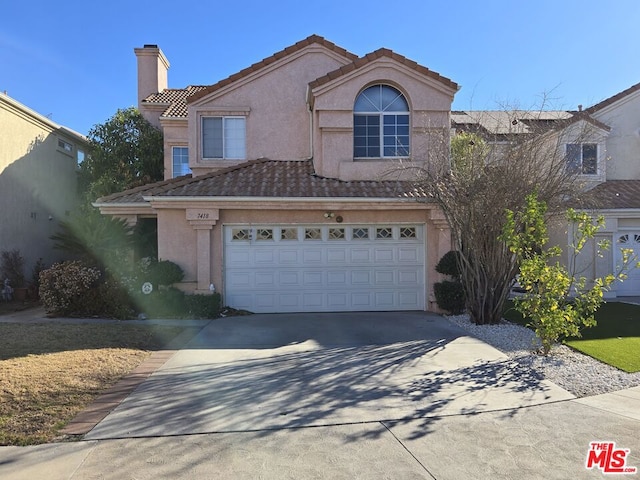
274,101
429,104
623,141
37,182
176,134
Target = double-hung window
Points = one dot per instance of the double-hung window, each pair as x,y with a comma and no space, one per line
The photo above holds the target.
223,137
380,123
180,157
582,158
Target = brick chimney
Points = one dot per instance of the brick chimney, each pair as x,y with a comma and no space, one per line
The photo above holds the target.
152,71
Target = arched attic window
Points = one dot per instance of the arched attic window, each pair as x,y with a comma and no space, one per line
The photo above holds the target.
380,123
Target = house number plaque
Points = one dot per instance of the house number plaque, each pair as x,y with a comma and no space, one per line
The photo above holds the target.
202,214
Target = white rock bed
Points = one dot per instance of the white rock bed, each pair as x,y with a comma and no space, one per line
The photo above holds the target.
579,374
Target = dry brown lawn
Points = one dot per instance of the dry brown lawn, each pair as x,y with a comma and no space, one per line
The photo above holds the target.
49,372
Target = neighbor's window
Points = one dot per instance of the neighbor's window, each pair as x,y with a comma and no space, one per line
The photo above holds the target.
223,137
380,123
180,157
582,158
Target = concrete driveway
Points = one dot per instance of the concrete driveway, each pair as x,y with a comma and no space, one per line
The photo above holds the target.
263,372
340,396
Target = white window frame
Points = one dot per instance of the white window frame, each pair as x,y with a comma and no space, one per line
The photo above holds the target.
381,115
580,166
227,154
173,160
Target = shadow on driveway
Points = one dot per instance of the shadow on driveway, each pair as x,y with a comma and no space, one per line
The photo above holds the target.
268,372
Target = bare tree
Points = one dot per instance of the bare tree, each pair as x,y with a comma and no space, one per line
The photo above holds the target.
496,159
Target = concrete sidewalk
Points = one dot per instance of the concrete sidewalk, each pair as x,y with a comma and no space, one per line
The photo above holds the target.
396,395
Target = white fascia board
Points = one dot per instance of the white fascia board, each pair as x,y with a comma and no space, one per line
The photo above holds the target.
281,199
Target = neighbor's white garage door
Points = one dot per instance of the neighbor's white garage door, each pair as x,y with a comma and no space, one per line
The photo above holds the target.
320,268
631,285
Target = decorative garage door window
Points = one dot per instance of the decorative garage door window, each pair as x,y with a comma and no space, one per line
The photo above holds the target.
408,232
360,234
289,234
240,234
336,234
312,234
264,234
384,233
325,267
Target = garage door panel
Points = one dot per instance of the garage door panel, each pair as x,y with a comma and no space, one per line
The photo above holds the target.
289,278
408,277
337,301
337,278
360,255
408,254
312,299
264,257
385,300
361,277
312,256
383,254
312,279
329,269
239,279
288,257
336,255
384,277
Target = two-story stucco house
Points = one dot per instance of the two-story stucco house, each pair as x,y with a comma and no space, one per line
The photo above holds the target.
290,206
38,163
282,189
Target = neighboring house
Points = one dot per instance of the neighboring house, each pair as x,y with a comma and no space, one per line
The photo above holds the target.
38,163
293,200
602,143
291,206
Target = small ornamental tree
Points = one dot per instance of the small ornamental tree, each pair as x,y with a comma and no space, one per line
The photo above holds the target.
558,303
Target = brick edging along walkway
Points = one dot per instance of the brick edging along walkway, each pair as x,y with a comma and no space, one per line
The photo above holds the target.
103,405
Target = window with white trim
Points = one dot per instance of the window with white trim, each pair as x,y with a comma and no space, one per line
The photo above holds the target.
223,137
582,158
180,158
380,123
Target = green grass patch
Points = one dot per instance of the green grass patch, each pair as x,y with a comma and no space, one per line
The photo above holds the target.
615,340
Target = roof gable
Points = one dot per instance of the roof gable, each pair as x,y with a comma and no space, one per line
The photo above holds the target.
613,99
273,59
375,55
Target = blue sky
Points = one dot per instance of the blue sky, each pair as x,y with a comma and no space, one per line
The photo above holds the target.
73,61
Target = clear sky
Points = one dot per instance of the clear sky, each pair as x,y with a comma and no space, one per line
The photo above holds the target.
73,61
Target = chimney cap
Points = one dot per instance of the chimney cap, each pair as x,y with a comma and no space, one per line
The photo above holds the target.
150,45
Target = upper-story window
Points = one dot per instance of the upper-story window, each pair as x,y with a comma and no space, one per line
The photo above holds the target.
582,158
223,137
380,123
180,157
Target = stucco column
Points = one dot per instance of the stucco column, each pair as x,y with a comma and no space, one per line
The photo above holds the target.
202,221
438,243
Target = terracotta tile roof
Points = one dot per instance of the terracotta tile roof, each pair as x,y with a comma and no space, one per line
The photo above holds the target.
266,178
608,101
382,52
274,58
175,99
613,194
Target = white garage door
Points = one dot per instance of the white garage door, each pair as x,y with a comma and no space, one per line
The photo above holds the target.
320,268
631,285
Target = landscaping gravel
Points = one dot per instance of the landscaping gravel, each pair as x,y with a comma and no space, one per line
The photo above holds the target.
575,372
